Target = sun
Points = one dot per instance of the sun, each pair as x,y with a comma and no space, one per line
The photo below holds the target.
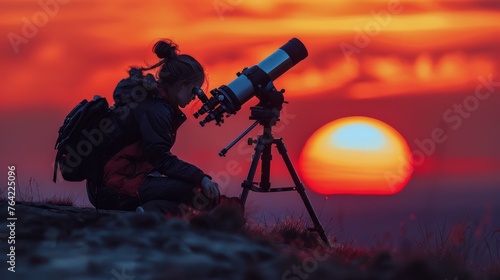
356,155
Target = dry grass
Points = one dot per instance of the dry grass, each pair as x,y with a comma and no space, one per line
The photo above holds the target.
474,245
31,193
61,200
463,250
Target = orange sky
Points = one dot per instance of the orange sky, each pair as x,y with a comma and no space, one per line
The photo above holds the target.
410,62
84,47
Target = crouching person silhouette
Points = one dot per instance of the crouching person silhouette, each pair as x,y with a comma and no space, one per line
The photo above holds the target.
138,171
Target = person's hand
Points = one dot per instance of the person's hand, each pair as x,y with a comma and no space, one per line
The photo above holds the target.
211,190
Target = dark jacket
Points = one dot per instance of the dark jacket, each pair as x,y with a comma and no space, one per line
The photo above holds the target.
146,132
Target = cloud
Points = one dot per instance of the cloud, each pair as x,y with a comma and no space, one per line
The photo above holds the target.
87,46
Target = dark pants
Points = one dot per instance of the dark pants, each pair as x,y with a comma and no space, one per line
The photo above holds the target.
103,197
157,194
165,195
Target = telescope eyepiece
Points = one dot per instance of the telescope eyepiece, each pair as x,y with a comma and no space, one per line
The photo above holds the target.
201,95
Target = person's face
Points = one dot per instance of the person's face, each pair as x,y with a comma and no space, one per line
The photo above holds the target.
185,93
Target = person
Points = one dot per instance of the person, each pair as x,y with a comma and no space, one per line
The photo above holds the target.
138,170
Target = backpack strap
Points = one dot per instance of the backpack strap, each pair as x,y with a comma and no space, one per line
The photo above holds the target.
55,170
56,163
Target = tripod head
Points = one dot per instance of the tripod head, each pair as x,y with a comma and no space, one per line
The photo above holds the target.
267,111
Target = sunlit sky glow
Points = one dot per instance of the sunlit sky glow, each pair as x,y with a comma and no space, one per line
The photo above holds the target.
410,62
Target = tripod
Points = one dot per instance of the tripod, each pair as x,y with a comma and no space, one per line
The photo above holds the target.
267,117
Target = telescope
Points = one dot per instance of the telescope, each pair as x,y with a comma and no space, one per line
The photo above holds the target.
228,99
251,81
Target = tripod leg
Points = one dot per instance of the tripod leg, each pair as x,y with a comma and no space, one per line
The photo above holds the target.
265,176
248,183
301,190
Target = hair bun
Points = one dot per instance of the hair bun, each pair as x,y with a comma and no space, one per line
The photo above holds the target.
166,49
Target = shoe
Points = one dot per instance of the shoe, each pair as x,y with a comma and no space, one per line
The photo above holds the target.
140,210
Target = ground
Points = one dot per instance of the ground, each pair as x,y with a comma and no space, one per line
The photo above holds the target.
65,242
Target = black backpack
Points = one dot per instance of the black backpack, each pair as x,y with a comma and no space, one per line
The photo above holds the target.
86,130
83,133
